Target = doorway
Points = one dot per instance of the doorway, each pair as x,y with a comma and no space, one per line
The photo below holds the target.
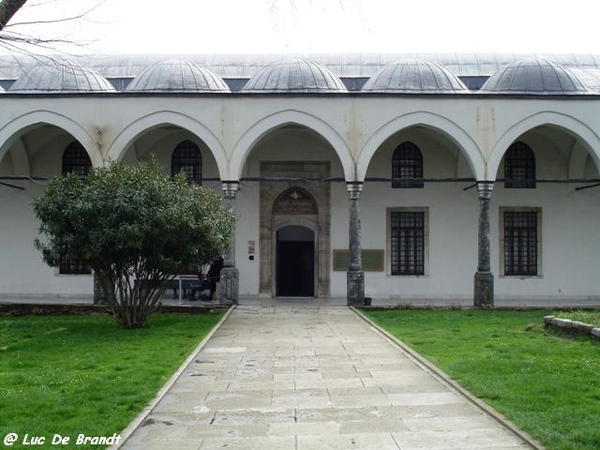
295,268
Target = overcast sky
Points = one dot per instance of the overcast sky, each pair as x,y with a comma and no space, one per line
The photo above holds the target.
319,26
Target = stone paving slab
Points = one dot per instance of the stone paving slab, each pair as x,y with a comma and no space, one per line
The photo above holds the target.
312,377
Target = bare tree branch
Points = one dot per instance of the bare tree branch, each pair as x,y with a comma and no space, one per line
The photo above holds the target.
79,16
18,41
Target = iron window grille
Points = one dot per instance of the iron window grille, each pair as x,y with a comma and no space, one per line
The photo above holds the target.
520,243
519,167
73,266
408,242
187,158
407,166
75,159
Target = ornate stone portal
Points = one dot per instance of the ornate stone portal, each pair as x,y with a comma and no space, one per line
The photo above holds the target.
292,195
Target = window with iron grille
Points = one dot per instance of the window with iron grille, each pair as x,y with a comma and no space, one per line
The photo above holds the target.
187,158
407,241
73,266
75,159
519,166
521,243
407,166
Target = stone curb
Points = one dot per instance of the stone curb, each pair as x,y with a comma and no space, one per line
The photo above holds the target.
135,423
573,326
445,379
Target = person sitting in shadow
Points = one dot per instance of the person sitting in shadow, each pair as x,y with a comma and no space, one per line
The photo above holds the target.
214,275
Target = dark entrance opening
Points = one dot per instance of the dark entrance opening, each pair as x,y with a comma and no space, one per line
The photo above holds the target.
295,262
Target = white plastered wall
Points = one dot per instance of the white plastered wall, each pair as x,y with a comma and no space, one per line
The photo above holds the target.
482,127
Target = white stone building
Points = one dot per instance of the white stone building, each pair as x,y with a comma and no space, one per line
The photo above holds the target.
486,193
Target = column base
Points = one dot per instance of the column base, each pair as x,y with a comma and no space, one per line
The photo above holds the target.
229,284
484,289
356,287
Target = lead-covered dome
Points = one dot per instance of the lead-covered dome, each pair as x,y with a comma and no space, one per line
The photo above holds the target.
176,75
61,77
294,75
414,76
534,76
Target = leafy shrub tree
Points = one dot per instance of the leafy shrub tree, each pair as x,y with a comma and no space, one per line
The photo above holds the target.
135,227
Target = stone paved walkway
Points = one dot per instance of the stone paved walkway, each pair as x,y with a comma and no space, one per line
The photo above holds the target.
312,378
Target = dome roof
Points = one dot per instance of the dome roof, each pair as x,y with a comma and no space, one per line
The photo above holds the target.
176,75
61,76
534,76
294,75
414,76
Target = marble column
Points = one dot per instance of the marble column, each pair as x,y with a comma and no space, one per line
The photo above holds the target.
229,280
355,274
484,278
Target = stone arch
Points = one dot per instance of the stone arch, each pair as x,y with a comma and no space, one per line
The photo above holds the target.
262,127
156,119
19,125
430,120
569,124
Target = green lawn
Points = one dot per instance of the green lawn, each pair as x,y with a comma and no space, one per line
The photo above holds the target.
547,384
83,374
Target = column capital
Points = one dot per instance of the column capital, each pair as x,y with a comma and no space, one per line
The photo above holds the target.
230,188
485,188
354,188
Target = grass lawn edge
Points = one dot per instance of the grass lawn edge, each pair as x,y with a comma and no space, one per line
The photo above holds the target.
446,379
139,419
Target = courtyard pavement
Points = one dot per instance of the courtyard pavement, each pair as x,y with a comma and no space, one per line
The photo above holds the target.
312,375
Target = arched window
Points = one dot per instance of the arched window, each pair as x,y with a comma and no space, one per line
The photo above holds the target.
407,166
187,159
519,166
75,159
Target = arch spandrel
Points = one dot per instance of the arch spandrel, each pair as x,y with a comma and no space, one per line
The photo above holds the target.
135,129
584,134
264,126
20,125
435,122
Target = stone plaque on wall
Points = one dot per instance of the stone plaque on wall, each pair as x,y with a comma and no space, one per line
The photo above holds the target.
372,260
295,201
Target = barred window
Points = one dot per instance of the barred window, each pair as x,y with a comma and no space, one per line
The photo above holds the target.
75,159
407,166
73,266
520,243
187,158
519,166
407,242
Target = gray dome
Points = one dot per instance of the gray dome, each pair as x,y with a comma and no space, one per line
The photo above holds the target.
414,76
61,76
176,75
534,76
293,76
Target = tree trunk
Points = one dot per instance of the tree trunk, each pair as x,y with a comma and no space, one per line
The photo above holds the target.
8,8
